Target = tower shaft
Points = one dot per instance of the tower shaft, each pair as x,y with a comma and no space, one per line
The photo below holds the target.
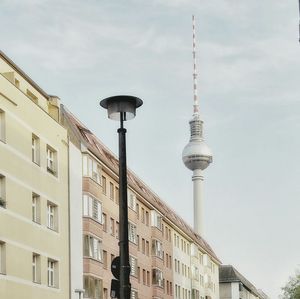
198,201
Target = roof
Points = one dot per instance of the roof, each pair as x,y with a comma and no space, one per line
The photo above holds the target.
111,161
23,74
228,273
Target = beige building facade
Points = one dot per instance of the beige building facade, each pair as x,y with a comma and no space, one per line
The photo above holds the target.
34,251
59,210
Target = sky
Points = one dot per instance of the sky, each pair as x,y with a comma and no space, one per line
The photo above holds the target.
248,58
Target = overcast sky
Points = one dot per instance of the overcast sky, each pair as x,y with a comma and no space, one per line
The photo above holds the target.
248,63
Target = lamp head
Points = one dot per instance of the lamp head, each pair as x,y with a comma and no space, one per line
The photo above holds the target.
125,104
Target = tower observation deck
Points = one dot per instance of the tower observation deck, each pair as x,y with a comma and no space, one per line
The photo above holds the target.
196,155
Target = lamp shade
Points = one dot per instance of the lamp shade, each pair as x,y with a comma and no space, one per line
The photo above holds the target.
121,104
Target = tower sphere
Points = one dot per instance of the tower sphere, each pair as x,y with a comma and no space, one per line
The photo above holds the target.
196,155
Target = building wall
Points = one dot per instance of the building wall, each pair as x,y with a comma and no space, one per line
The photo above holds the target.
225,291
21,179
182,271
76,250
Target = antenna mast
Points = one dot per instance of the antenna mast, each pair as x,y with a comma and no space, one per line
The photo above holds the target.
196,103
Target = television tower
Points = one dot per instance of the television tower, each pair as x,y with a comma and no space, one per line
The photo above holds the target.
196,155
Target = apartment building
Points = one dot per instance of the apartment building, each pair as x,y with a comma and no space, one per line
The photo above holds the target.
34,236
233,285
166,256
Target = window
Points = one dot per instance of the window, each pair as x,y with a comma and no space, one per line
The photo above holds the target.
133,265
143,215
143,246
36,268
148,278
2,192
111,191
139,274
2,258
35,149
112,226
134,294
52,220
195,273
91,168
17,83
92,247
105,293
36,214
117,229
131,200
104,222
92,208
2,125
157,277
103,184
147,248
157,249
52,273
144,276
201,258
147,218
137,209
104,259
51,160
92,287
131,232
117,195
32,96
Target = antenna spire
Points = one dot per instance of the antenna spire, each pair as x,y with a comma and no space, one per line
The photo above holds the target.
196,103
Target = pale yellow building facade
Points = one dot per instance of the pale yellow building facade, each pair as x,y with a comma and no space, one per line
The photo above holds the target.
34,233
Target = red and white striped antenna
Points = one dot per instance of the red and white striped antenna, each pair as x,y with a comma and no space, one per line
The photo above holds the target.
196,103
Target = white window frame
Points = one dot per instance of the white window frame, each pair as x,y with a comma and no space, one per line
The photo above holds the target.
132,232
91,168
2,192
157,249
36,208
51,270
36,268
52,216
2,257
158,274
35,149
51,160
2,126
156,219
93,247
133,265
92,207
131,200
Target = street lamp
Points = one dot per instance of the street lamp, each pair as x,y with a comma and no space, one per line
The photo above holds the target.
122,108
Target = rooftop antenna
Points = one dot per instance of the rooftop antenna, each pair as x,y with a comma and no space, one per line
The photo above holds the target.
196,103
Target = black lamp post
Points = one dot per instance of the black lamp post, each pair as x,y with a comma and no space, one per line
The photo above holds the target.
122,108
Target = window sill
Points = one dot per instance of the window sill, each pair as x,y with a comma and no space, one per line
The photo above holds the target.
53,287
93,259
53,229
89,217
36,163
52,171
